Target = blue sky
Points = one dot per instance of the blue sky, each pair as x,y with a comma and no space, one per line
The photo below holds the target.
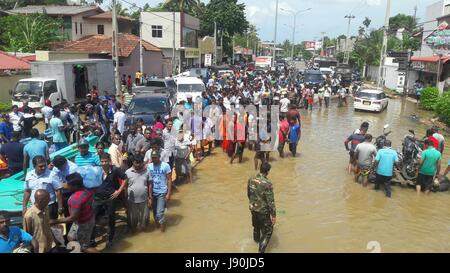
325,16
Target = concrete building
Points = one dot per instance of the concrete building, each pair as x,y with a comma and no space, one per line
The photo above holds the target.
80,21
100,47
430,64
158,30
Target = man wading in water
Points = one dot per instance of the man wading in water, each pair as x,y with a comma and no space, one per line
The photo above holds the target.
262,206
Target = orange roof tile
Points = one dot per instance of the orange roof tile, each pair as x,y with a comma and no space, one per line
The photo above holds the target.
103,44
9,62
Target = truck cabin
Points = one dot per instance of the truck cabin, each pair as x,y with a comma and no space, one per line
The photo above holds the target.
35,90
313,77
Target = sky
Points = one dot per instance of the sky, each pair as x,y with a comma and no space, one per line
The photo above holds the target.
325,16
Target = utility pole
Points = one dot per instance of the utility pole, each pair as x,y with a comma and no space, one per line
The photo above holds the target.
293,40
347,40
221,45
295,13
115,49
415,13
275,35
384,47
232,50
173,44
323,44
215,43
141,49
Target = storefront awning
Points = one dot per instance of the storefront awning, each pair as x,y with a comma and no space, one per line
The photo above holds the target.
430,59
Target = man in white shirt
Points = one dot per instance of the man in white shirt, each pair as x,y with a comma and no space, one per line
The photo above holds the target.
284,106
437,135
47,111
119,118
15,117
257,97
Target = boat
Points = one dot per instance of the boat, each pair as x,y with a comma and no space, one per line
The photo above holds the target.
11,188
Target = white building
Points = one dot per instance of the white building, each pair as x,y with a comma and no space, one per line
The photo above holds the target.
157,28
426,63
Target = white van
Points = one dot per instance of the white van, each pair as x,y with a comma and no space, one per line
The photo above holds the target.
189,86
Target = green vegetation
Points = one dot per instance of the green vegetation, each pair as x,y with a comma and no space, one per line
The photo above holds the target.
442,108
429,98
5,107
28,33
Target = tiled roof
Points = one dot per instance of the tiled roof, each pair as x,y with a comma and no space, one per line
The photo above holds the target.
9,62
55,9
103,44
108,15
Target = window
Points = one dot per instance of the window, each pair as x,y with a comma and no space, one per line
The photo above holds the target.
76,28
81,28
190,37
100,29
157,31
49,88
447,9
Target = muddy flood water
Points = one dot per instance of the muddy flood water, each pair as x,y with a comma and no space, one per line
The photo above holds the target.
319,207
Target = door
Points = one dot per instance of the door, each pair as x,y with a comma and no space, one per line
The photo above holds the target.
51,92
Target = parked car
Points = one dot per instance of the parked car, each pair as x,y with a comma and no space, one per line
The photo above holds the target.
199,72
148,105
189,86
371,100
163,83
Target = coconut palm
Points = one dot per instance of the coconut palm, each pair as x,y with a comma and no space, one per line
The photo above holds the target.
182,5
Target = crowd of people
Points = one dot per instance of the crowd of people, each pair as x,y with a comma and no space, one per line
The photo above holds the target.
136,162
381,162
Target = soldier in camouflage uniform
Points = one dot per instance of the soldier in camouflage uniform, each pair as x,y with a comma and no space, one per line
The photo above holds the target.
262,206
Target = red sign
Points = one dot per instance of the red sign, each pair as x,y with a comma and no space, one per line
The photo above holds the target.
310,45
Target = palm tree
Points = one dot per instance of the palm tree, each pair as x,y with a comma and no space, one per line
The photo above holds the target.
120,11
182,5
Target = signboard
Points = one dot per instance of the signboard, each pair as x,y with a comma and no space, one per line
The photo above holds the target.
263,61
310,44
425,66
208,59
398,55
244,51
192,53
440,38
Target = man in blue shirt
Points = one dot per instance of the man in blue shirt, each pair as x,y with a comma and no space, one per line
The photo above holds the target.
448,169
294,136
13,153
41,179
6,129
12,237
34,148
86,158
161,186
61,169
58,129
384,165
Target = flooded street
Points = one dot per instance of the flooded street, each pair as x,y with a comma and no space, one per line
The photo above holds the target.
319,207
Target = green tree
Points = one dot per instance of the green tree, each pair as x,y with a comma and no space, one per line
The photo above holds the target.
188,6
120,10
28,33
230,19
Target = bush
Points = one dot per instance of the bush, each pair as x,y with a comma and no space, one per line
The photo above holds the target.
442,108
5,107
429,98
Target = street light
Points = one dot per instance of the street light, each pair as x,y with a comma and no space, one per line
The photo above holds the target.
293,44
295,13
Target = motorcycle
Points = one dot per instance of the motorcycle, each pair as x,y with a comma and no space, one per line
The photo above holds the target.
409,157
380,140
